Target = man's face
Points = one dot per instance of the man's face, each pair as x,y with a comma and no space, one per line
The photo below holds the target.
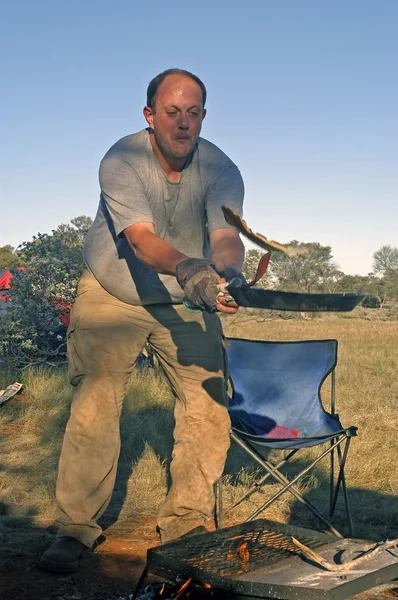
177,117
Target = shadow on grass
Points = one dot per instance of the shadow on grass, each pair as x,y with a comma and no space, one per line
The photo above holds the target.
134,441
374,513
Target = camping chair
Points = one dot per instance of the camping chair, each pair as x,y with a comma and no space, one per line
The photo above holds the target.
276,403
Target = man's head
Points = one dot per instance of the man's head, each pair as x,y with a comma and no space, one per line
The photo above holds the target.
156,81
175,111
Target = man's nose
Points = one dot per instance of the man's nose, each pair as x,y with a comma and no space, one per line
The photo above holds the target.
183,122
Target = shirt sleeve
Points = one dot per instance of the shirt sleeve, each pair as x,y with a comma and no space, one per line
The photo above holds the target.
123,193
227,189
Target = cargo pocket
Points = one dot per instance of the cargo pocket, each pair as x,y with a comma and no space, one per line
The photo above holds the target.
75,364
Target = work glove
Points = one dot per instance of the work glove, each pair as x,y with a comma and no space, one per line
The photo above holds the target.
198,279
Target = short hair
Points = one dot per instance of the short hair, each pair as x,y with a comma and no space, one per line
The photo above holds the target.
153,87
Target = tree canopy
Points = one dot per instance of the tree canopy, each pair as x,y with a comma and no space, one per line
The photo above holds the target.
32,330
8,258
385,259
310,273
317,272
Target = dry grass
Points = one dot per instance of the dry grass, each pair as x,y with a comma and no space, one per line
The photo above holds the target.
32,425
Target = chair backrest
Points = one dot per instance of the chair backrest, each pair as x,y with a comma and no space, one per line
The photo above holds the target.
276,388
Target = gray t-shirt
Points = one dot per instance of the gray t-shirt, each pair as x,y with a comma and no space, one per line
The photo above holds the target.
135,189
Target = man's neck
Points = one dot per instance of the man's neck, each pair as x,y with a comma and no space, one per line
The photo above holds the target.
172,168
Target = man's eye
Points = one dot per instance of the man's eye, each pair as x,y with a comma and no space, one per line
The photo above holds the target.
172,113
193,114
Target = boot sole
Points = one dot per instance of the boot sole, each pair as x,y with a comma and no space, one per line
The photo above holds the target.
57,567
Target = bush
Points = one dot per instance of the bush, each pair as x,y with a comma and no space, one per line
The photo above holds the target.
32,331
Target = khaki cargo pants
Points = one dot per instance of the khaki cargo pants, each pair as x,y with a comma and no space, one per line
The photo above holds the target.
105,337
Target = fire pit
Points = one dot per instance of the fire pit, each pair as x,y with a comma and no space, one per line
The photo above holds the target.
259,559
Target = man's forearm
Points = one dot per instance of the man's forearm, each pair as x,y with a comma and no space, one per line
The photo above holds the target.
226,249
158,254
228,252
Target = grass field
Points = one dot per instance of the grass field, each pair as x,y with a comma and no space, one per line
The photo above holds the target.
32,424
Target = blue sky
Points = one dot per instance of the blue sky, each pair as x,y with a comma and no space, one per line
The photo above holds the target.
302,95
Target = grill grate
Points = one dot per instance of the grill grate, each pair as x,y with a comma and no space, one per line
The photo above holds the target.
236,550
259,560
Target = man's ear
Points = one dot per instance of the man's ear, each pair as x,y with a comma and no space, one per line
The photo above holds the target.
148,114
204,113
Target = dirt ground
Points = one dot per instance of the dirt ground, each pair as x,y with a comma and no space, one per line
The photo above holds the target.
111,572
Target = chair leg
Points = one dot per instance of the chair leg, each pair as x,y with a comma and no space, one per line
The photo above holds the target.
341,480
287,485
331,477
260,482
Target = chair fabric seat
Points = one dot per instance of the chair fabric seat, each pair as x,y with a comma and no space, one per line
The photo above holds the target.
276,392
285,443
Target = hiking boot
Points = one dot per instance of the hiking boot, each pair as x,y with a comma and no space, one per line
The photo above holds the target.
63,556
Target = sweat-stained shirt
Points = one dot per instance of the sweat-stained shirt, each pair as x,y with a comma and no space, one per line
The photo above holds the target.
135,189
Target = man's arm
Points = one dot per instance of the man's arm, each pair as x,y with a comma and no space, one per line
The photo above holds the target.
150,249
227,252
226,249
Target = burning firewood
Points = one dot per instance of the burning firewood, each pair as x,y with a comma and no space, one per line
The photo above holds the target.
349,565
183,588
243,552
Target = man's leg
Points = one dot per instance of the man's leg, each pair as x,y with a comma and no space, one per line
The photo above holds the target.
191,352
104,339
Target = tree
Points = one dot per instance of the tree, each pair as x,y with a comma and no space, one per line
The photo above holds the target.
385,259
368,284
385,265
312,272
65,241
390,281
8,258
60,255
354,283
32,330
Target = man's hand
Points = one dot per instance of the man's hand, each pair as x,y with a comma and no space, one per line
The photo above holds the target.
234,276
198,279
227,249
200,283
226,303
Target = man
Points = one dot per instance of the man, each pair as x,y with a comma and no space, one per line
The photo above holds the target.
159,237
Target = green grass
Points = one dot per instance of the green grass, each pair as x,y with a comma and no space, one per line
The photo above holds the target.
32,425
